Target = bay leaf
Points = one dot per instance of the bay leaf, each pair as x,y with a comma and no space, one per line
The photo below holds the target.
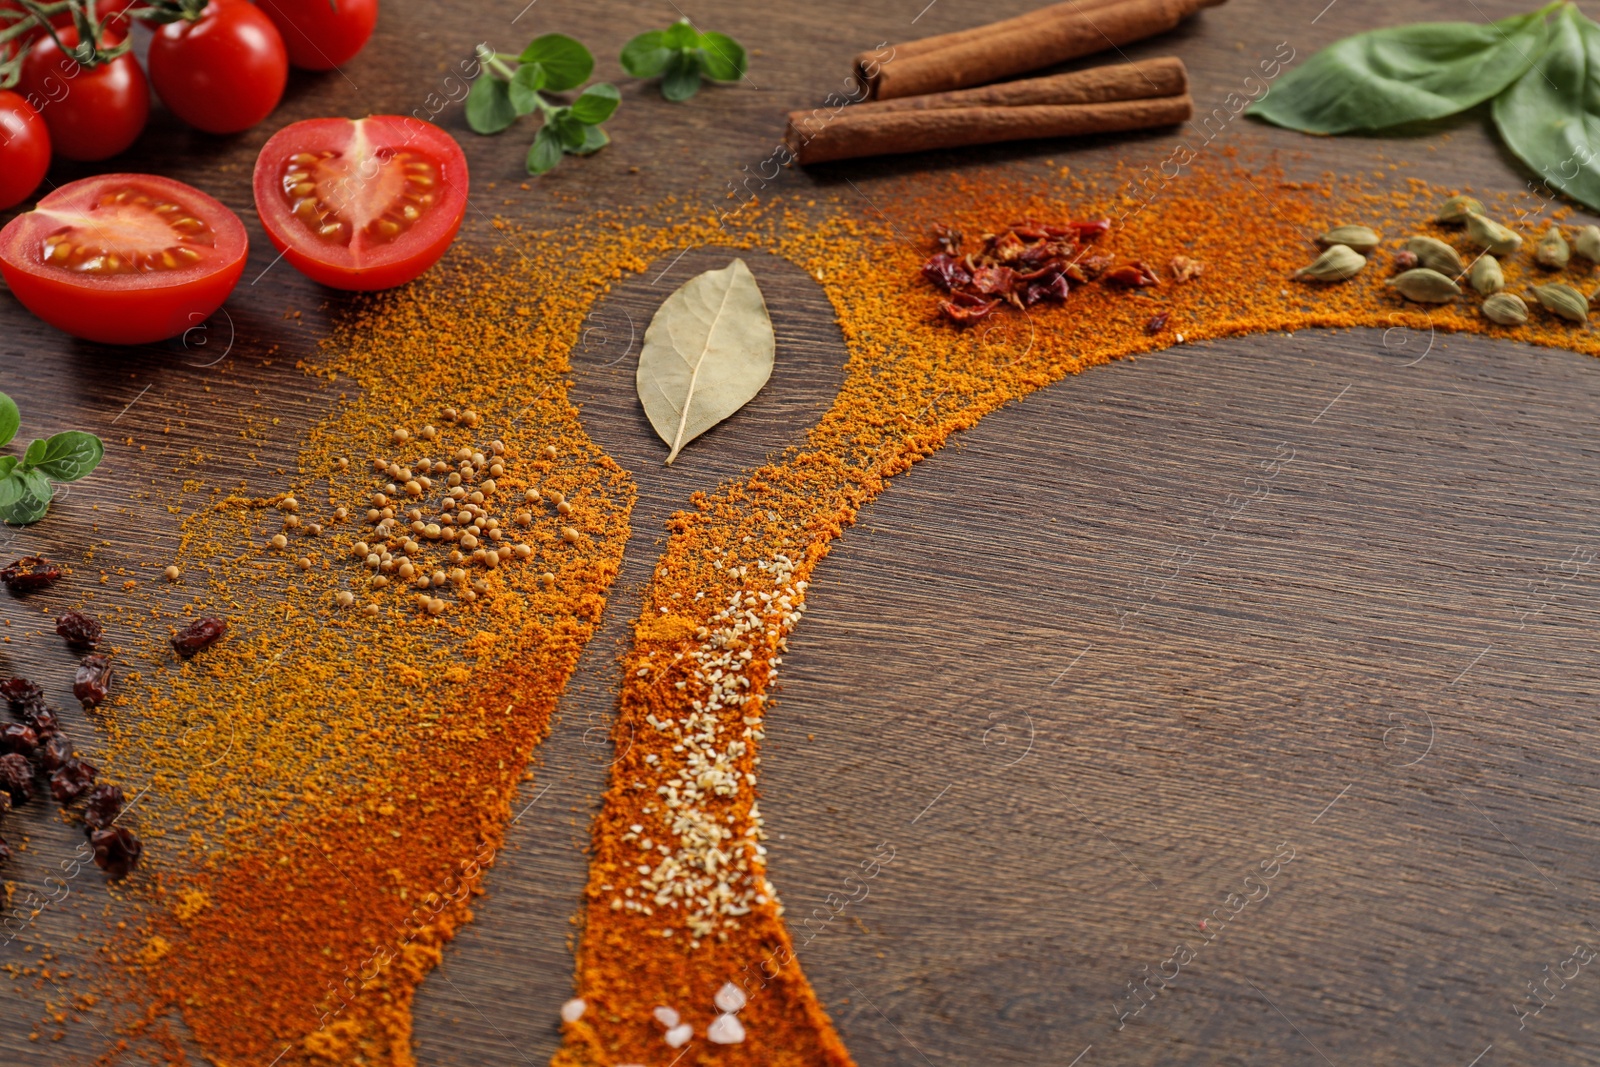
1400,74
707,353
1551,116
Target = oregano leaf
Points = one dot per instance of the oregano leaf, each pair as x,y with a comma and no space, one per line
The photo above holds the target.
489,107
10,419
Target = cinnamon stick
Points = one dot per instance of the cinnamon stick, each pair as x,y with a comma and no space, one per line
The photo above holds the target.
1040,38
1166,76
859,131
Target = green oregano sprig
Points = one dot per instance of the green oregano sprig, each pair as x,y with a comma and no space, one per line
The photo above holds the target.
512,86
682,55
1535,68
25,484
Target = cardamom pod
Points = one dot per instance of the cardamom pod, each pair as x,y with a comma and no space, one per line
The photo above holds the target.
1563,300
1425,286
1505,308
1486,276
1455,210
1588,243
1359,238
1490,235
1335,265
1552,251
1435,255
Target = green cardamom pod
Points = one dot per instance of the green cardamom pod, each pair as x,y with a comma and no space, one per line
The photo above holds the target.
1505,308
1455,210
1359,238
1563,300
1335,265
1588,243
1425,286
1490,235
1552,251
1486,276
1435,255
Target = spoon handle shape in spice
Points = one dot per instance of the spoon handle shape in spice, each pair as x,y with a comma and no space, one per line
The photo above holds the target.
851,136
1050,35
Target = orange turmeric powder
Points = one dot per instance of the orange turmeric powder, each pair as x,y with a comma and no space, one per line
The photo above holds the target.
329,785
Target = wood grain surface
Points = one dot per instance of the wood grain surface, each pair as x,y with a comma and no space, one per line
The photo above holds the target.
1084,672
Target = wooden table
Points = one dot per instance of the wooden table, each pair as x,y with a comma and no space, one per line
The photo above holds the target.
1320,605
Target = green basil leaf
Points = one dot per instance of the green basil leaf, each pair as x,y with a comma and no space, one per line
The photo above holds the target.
69,456
596,104
489,108
34,454
567,64
594,139
525,86
545,152
32,503
722,57
680,36
645,56
11,489
10,419
1551,116
682,79
1413,73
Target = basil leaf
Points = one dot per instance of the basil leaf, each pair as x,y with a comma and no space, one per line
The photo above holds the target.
1551,116
567,64
1404,74
680,35
69,456
545,152
525,86
33,502
489,107
644,56
10,419
722,57
596,104
34,454
11,489
682,79
594,139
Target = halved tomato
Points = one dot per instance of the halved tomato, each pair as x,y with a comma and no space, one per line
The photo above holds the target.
361,203
124,259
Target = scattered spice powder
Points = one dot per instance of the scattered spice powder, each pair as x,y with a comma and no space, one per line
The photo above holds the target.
329,784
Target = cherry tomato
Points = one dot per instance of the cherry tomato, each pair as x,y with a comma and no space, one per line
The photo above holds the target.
24,150
93,112
223,72
124,258
322,34
108,11
361,204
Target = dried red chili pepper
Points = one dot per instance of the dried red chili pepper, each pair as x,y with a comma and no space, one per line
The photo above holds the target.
1135,275
967,314
1054,288
1089,230
948,239
994,281
1185,269
1094,266
29,574
947,272
1006,248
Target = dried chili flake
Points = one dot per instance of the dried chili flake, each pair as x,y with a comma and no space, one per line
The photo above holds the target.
966,314
72,780
1090,229
994,281
116,850
1094,266
79,630
1135,275
1051,285
1158,322
948,239
1006,248
1185,269
93,681
947,272
29,574
202,633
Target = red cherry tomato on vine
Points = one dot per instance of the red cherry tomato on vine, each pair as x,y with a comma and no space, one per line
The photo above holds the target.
108,11
24,150
92,112
322,34
124,258
223,72
363,204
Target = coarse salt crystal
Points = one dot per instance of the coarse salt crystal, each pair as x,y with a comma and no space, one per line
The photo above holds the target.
730,998
727,1030
573,1010
666,1017
678,1035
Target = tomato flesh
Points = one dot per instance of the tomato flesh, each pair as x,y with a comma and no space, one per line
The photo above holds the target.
363,204
124,258
24,150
